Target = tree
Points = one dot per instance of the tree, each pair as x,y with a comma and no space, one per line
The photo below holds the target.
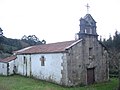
32,40
1,39
1,32
113,45
43,41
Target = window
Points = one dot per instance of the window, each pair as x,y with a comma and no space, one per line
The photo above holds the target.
42,59
85,31
90,31
2,65
90,51
24,60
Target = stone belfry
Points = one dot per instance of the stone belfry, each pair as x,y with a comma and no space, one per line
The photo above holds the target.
87,26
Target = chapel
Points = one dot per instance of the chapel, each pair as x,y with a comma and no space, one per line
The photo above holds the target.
78,62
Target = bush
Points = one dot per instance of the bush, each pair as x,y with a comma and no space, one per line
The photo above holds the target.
113,73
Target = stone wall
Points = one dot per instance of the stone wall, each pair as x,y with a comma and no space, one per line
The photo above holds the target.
87,54
75,64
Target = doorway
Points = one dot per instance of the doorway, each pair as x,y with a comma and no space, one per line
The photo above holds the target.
90,76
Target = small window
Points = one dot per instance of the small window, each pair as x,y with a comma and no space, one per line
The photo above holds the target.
85,31
90,31
90,51
42,59
2,65
24,60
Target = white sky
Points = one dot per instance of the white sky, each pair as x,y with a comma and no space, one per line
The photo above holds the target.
56,20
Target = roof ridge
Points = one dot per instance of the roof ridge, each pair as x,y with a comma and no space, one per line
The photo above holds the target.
60,42
47,48
51,43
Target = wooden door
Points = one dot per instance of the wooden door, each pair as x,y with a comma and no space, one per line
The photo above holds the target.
90,76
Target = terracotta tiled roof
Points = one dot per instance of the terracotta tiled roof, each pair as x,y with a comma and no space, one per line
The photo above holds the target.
47,48
8,59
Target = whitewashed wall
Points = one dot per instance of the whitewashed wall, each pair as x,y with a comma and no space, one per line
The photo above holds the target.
22,66
50,72
52,69
11,67
3,68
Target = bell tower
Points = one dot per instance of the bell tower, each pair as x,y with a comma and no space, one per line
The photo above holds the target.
87,26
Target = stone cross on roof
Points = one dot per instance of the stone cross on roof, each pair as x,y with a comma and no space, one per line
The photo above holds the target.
87,8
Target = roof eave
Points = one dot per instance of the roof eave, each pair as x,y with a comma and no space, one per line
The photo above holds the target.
3,62
41,53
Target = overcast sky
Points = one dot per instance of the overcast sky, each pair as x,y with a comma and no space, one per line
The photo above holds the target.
56,20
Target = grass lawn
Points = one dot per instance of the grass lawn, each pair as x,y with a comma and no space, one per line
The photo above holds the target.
17,82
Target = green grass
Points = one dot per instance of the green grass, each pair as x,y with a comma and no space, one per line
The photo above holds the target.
17,82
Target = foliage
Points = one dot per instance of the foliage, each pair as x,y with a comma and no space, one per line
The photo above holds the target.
113,43
1,32
32,40
8,45
22,83
113,46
